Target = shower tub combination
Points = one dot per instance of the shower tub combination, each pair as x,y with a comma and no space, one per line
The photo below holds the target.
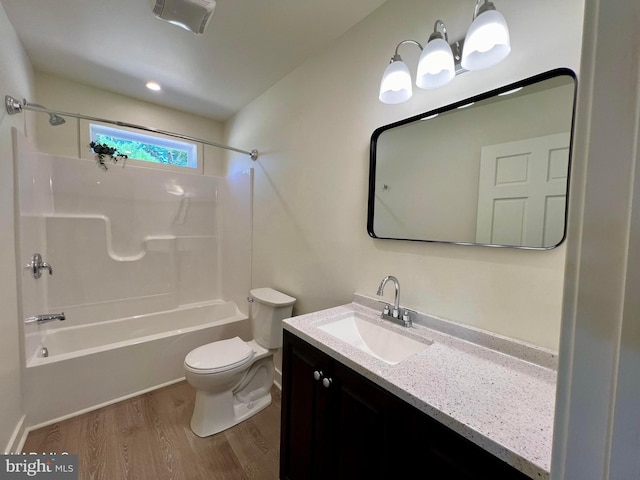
89,366
147,265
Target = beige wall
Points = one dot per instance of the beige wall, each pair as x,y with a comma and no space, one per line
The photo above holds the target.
65,95
313,130
16,79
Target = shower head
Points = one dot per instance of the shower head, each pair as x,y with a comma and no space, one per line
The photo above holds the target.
54,119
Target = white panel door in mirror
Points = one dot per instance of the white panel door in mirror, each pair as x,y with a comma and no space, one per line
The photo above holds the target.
522,192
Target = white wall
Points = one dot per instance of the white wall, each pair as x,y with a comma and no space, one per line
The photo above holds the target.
16,79
313,130
65,95
597,427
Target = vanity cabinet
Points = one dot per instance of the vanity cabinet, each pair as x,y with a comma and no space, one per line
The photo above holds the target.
336,424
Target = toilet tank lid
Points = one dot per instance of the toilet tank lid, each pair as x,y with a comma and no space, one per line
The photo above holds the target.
272,297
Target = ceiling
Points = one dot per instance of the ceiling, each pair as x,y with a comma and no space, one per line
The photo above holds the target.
119,45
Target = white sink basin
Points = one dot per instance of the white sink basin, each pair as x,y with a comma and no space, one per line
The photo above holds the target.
379,342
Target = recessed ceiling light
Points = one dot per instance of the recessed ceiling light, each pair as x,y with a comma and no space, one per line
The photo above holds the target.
466,105
153,86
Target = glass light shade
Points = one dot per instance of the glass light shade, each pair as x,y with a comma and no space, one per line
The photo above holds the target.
436,66
396,83
487,41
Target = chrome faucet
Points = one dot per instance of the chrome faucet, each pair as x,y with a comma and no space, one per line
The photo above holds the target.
396,302
394,315
45,318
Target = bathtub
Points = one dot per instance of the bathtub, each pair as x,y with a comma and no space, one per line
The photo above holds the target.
94,365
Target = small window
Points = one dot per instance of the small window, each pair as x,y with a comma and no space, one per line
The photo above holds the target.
161,151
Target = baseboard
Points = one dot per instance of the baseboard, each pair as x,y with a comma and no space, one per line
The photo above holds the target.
18,437
100,405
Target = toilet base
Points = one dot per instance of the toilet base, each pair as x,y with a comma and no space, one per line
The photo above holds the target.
228,412
217,409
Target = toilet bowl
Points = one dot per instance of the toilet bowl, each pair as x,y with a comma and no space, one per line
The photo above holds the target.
233,377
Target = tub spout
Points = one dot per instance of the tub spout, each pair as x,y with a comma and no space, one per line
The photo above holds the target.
44,318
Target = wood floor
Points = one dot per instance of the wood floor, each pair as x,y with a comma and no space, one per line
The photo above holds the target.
148,437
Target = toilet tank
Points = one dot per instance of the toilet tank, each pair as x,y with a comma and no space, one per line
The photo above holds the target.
268,309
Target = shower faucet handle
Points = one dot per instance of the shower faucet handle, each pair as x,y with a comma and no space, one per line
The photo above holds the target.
37,265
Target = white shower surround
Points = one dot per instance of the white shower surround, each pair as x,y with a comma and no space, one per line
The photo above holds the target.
147,265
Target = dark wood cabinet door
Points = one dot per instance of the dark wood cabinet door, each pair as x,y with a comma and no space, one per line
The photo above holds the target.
439,453
304,411
351,428
361,428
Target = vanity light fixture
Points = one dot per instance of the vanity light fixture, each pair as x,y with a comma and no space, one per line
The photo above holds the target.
396,80
436,66
486,44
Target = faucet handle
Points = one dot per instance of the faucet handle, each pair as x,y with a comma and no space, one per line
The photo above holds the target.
386,309
407,316
37,265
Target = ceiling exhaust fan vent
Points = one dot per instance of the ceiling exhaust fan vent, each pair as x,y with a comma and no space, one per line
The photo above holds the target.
192,15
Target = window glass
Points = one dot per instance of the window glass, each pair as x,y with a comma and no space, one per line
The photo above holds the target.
147,148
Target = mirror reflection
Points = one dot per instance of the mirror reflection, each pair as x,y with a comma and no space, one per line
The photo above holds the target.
492,170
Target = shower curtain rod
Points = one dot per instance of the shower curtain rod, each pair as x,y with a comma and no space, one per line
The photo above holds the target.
14,106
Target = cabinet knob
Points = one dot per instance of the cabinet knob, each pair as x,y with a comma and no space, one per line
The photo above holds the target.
317,375
326,382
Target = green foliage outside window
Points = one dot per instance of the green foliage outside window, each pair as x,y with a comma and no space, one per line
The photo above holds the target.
146,151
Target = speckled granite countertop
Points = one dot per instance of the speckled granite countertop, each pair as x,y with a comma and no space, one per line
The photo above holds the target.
502,402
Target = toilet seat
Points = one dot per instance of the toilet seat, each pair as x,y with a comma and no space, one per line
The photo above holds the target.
219,356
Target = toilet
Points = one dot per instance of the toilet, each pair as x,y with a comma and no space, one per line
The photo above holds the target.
233,378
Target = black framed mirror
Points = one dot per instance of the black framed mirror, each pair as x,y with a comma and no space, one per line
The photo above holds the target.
491,170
